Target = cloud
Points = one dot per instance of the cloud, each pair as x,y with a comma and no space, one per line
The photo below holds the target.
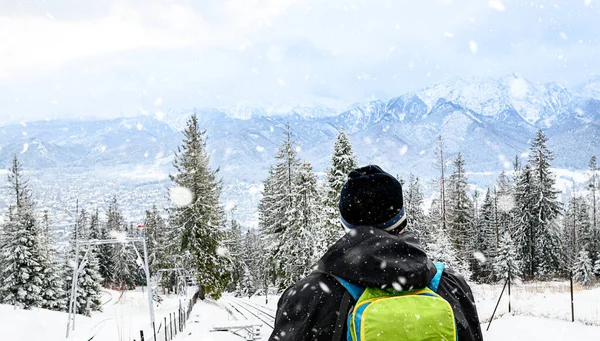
41,42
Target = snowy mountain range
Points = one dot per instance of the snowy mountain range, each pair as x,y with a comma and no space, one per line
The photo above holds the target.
488,120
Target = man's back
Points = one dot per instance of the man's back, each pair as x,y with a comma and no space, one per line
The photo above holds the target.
368,257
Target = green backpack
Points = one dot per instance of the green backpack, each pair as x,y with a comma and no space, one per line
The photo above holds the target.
390,315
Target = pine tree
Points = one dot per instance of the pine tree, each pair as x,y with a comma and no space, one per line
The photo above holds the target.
583,271
593,187
22,277
256,276
507,261
597,266
198,226
54,296
233,242
123,258
546,208
459,210
415,214
440,163
156,235
343,161
484,239
89,278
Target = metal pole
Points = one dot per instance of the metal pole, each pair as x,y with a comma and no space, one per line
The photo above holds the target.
509,277
76,270
499,298
71,297
572,308
147,271
165,328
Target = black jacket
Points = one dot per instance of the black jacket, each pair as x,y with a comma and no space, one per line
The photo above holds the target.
308,310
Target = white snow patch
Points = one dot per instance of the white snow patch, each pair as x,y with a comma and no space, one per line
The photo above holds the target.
25,148
159,115
422,152
497,5
146,154
181,196
473,46
102,149
139,126
260,149
158,101
23,123
24,133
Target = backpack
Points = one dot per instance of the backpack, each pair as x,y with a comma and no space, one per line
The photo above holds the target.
391,315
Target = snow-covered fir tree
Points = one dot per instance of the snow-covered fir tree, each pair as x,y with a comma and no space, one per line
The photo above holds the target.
583,271
484,241
593,189
23,254
507,261
196,218
256,274
459,208
546,208
343,161
54,296
415,213
89,278
234,243
156,235
124,269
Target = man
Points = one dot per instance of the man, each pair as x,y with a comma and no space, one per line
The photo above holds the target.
374,253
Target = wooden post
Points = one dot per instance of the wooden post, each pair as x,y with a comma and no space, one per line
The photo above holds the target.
141,335
166,329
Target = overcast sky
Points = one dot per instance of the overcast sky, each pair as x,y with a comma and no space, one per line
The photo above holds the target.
103,58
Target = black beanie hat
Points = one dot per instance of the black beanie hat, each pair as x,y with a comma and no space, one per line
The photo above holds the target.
372,197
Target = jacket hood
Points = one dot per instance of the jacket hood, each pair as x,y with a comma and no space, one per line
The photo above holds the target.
371,257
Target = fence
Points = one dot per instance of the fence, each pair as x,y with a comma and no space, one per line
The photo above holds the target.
171,325
561,300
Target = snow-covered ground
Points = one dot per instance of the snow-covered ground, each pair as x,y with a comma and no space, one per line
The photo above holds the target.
123,316
541,311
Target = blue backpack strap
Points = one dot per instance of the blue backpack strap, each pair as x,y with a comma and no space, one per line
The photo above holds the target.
355,290
435,281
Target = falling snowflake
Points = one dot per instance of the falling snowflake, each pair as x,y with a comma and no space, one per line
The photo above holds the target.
563,35
448,34
324,287
473,46
139,126
497,5
158,101
518,88
222,251
25,148
260,148
480,257
180,196
403,150
159,115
